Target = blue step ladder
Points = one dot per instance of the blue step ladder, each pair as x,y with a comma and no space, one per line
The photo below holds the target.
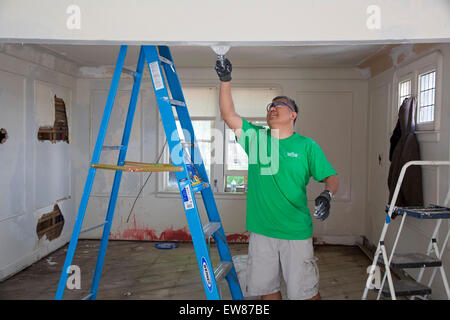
188,167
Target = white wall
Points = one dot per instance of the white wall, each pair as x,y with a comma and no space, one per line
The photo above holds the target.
434,145
34,175
333,111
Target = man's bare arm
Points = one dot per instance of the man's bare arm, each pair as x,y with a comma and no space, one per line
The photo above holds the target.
332,183
227,111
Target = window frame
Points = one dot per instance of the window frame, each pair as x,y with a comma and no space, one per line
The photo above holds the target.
413,70
427,125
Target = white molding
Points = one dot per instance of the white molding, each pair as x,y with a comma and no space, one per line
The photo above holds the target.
428,136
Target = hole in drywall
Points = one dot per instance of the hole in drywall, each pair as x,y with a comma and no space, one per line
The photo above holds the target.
50,224
60,129
3,135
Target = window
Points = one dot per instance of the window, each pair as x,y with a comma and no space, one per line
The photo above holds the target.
203,130
225,161
236,164
251,104
404,91
426,101
202,103
422,79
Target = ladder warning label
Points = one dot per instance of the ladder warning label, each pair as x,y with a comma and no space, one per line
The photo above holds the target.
187,198
156,75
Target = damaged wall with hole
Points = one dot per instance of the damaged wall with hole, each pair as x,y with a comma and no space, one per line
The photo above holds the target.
37,208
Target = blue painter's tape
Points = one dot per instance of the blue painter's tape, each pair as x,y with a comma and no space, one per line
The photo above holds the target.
388,219
166,245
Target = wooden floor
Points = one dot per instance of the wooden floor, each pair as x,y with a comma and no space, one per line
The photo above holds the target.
137,270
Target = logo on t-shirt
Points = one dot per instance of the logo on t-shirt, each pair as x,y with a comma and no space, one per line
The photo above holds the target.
292,154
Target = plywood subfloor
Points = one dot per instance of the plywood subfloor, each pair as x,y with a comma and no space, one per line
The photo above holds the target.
137,270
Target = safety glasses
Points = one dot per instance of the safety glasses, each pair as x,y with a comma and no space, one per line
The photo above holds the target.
278,104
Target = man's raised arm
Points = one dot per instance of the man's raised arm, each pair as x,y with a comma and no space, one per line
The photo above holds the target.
226,105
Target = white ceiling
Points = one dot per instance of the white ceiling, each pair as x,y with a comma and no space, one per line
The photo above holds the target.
201,56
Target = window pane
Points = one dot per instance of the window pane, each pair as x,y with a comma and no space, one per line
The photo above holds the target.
427,97
236,156
237,159
201,101
236,184
202,130
203,133
404,89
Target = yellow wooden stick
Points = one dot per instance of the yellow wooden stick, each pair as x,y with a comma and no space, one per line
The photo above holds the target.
137,168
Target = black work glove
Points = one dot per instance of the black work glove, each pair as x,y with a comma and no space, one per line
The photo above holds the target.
223,69
322,205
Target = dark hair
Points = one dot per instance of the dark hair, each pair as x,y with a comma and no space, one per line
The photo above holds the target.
291,102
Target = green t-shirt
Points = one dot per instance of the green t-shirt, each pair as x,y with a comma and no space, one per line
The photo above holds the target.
277,205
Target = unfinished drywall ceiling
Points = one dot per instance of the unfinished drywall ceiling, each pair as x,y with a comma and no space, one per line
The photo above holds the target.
205,22
394,55
196,56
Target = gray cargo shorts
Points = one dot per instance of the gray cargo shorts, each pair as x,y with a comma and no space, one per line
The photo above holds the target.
298,265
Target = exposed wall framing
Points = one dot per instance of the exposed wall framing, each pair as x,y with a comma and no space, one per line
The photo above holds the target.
60,129
3,135
50,224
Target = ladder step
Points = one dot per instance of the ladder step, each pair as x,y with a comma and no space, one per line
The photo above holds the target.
429,212
414,260
130,72
177,103
94,227
404,288
210,228
222,270
187,144
165,60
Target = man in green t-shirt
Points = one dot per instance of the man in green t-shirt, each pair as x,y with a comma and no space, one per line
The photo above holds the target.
281,163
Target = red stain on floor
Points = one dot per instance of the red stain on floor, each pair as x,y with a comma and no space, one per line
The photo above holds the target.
143,233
